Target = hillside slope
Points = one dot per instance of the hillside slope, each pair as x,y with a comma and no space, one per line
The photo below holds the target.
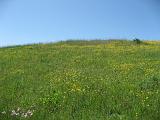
89,80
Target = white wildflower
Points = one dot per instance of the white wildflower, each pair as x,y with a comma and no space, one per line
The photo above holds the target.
24,115
4,112
14,113
18,109
29,112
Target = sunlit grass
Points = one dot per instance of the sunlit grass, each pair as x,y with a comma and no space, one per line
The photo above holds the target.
103,80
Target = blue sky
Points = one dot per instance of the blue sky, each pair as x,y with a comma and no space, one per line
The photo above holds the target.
33,21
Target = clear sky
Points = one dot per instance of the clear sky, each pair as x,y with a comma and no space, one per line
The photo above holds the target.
33,21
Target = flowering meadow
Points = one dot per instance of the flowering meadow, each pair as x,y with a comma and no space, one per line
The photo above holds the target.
81,80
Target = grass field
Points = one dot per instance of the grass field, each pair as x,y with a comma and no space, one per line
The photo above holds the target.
81,80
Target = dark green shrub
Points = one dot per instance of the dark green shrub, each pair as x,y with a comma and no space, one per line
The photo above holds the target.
137,41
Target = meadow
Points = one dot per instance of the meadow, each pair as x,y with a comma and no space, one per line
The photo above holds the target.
81,80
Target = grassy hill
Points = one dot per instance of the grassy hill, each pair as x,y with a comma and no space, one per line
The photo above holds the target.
81,80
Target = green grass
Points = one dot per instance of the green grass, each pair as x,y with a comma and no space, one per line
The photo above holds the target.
81,80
